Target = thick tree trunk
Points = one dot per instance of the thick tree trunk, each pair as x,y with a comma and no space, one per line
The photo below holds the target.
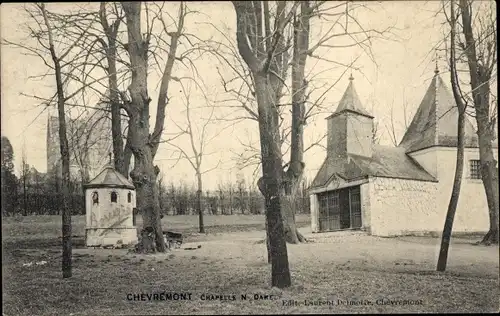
489,173
271,182
289,209
144,177
144,174
268,244
480,76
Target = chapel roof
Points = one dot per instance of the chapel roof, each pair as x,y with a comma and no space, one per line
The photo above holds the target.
387,162
109,178
435,122
350,102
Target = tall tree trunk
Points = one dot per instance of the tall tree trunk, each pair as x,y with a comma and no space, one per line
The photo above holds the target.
268,243
272,178
293,176
127,152
116,123
457,181
489,173
455,194
144,174
258,50
111,32
64,148
199,204
480,77
66,212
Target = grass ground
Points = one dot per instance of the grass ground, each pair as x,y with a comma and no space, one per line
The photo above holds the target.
231,261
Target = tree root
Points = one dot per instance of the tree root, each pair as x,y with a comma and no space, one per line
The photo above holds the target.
491,238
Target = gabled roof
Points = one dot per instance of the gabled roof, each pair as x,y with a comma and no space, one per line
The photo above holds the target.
435,122
109,178
350,102
388,162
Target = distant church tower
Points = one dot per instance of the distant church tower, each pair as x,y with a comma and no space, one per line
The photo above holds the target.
53,148
88,154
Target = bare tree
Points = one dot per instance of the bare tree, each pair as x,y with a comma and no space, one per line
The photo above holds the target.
103,57
480,49
242,192
457,181
392,127
46,30
88,137
262,50
476,63
199,137
109,46
143,143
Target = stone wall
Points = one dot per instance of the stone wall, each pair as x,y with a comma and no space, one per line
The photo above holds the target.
398,206
472,211
365,207
401,207
106,220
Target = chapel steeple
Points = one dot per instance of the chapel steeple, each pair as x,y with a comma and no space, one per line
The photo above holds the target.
350,127
435,122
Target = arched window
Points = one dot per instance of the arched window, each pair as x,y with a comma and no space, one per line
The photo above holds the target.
129,197
95,198
114,197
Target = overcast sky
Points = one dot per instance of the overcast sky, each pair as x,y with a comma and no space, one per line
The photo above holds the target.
402,72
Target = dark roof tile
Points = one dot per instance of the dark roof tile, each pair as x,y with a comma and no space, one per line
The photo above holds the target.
435,122
110,178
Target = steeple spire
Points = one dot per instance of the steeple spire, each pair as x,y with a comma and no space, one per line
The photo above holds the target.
350,101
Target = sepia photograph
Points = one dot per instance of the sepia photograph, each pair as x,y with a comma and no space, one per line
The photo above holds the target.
249,157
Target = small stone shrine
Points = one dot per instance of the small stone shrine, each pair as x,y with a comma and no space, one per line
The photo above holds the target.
109,204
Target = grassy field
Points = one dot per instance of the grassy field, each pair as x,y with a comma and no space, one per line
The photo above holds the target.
346,272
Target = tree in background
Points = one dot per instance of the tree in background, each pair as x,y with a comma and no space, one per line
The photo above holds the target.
24,177
195,150
9,180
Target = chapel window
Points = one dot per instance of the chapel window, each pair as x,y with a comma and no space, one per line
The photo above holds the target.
114,197
95,198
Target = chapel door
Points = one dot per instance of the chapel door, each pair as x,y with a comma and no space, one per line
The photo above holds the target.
329,211
345,212
355,199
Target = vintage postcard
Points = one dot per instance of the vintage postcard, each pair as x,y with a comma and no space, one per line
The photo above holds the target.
249,157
